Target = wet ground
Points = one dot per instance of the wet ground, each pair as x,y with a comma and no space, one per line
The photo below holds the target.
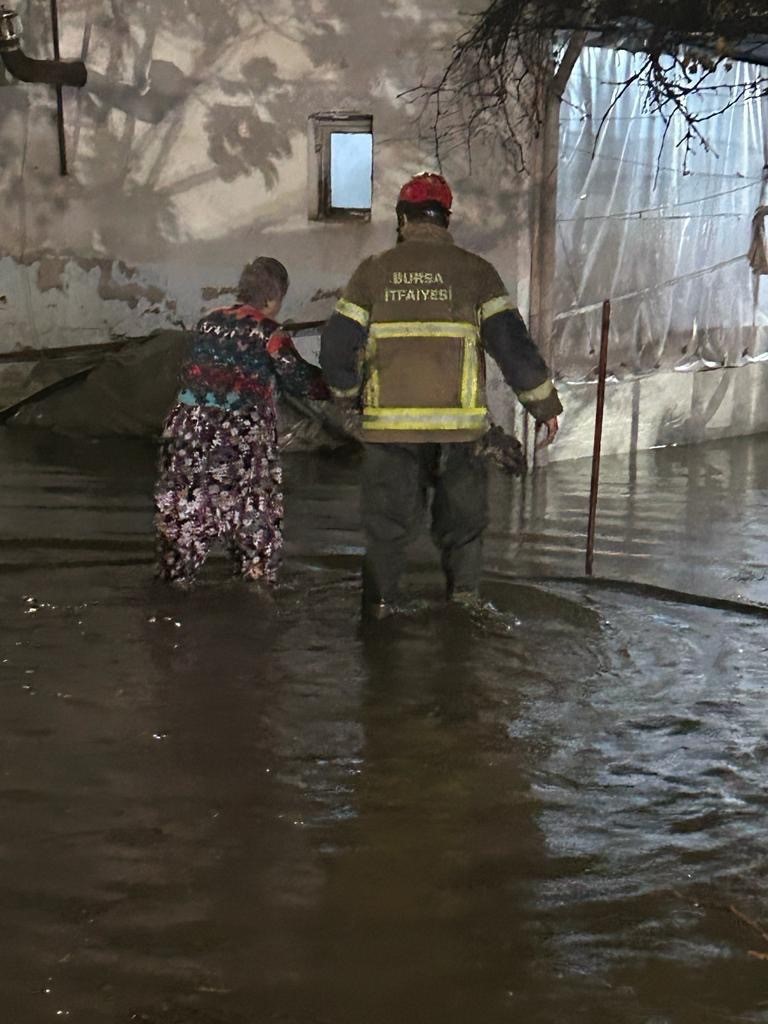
218,810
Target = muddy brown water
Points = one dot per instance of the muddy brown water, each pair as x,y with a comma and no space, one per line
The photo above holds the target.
218,810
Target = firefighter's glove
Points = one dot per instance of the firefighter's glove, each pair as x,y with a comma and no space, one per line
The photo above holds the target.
350,417
503,450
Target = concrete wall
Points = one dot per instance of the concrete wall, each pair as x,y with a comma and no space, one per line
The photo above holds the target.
188,156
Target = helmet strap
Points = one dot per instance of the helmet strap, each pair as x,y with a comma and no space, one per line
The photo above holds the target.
436,215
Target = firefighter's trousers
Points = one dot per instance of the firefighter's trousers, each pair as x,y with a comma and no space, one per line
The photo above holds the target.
397,482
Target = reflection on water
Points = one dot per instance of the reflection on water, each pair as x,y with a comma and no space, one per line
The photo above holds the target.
221,810
692,518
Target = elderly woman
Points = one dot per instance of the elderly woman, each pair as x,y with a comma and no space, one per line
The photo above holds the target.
220,474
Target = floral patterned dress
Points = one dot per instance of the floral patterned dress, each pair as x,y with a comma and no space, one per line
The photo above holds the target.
220,476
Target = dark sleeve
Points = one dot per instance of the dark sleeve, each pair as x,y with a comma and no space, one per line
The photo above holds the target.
343,338
297,377
506,340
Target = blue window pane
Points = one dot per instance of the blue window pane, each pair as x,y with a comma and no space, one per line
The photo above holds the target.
351,170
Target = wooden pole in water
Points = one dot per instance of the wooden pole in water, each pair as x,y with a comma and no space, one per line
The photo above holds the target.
599,406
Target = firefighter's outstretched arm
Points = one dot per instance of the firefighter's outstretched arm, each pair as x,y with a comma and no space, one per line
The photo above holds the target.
507,341
343,339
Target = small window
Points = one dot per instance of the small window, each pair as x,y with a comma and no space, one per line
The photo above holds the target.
341,166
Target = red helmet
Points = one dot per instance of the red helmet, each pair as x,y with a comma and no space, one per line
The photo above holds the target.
427,187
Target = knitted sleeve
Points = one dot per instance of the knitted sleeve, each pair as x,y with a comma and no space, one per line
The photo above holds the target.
295,375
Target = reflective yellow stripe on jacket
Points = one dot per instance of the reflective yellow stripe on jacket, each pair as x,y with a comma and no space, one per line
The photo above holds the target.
467,416
537,394
452,418
353,312
494,306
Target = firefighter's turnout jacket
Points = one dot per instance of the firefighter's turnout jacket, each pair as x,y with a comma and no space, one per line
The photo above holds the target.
412,330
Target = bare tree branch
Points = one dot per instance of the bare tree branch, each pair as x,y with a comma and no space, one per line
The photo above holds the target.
503,67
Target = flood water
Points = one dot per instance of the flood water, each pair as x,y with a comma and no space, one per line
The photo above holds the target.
221,810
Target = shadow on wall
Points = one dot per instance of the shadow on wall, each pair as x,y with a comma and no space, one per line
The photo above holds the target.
188,122
239,140
246,108
165,87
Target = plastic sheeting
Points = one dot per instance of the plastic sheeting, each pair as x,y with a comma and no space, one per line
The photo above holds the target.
125,393
128,394
668,248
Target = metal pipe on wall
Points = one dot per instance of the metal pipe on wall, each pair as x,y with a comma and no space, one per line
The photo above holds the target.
27,69
59,93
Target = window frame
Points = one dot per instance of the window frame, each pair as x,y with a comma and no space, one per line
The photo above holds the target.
321,127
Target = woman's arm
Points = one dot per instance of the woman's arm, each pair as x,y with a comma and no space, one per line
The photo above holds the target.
297,377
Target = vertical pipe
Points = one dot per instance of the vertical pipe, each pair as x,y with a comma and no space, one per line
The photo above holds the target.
59,94
549,93
544,225
599,406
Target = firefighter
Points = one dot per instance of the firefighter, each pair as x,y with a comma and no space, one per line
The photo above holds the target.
404,355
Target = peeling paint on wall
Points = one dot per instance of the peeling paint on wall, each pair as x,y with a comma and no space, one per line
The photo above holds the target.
332,293
116,278
50,273
209,293
60,301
